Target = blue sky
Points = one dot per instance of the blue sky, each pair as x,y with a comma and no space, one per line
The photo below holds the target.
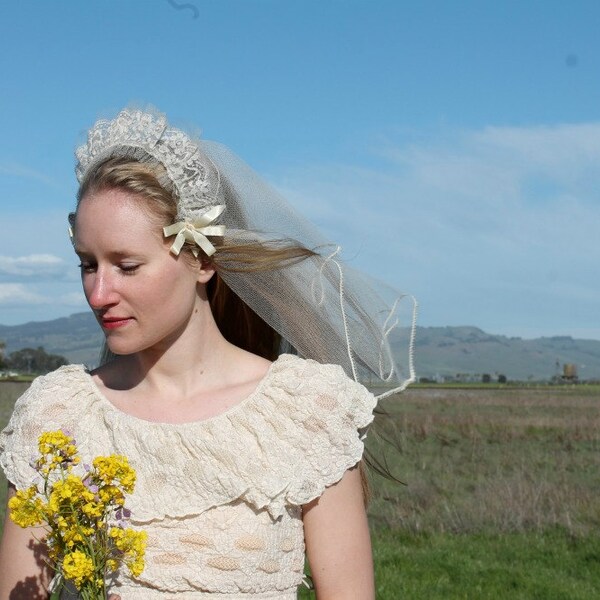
452,148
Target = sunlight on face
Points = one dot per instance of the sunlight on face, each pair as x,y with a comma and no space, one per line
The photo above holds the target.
141,294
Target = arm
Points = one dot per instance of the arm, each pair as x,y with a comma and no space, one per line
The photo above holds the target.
23,572
338,544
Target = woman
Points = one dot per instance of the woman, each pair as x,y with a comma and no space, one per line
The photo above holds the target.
246,457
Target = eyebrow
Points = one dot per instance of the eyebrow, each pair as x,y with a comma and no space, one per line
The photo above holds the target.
112,254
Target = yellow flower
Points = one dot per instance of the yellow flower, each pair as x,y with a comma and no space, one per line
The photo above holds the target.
25,509
78,567
111,494
112,565
77,512
115,469
136,566
93,509
51,442
68,492
57,449
133,546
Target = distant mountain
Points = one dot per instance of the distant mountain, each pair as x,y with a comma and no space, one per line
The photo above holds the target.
439,351
452,350
77,337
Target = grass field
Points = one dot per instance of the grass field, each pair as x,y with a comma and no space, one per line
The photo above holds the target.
500,494
492,461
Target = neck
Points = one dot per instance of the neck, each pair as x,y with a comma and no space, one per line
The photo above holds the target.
195,357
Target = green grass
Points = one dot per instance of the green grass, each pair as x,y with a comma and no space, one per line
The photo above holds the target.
500,496
550,566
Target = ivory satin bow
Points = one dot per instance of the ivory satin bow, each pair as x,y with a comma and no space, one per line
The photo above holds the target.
196,232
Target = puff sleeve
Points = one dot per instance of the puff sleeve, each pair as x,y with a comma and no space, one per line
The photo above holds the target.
41,408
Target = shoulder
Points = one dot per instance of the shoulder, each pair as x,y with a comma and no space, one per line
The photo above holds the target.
311,419
60,377
50,388
65,375
52,401
310,386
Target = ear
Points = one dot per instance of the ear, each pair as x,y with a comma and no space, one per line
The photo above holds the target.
205,272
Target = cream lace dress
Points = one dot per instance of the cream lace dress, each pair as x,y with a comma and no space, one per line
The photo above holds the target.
220,498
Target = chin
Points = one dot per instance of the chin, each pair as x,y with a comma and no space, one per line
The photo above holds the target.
127,347
121,349
118,351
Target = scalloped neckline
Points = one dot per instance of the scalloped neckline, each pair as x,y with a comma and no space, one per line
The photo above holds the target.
197,422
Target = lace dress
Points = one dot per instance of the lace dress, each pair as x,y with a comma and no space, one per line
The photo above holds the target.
220,498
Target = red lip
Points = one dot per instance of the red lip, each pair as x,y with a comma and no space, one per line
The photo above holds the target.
114,322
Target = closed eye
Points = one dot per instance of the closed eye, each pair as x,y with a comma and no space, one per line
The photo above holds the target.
87,267
129,269
126,269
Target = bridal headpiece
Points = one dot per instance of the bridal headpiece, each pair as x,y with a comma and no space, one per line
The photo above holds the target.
195,179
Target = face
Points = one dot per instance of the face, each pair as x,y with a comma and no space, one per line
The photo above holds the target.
142,295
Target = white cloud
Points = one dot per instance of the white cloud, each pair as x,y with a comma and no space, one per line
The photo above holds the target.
33,265
17,294
562,152
476,223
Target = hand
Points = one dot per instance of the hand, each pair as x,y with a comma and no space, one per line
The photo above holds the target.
114,597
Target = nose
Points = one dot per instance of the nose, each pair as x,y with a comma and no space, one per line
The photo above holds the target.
100,289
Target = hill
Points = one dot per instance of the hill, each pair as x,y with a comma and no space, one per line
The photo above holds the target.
440,351
77,337
452,350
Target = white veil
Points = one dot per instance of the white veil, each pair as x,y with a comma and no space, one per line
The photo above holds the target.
326,310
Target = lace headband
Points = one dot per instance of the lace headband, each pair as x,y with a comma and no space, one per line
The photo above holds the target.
194,177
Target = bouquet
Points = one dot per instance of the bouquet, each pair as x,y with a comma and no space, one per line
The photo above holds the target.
84,515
